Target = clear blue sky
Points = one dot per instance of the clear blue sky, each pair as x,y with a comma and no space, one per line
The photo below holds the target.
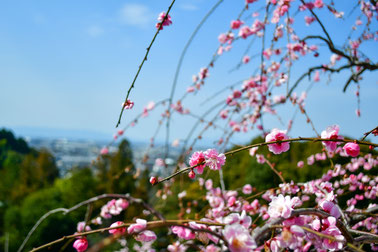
68,64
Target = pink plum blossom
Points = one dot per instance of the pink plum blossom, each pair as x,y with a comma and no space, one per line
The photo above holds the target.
247,189
214,160
331,229
253,150
235,24
243,219
319,4
117,231
277,135
281,206
352,149
300,164
223,114
309,20
166,22
128,104
260,158
81,225
183,233
137,227
176,247
198,158
330,208
81,244
244,32
331,132
146,236
238,238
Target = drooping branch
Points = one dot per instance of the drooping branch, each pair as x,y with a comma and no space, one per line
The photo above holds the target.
299,139
312,69
86,202
178,68
352,62
144,60
150,225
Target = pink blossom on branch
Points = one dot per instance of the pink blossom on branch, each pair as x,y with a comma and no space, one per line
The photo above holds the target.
247,189
238,238
330,208
146,236
137,227
117,231
183,233
277,135
198,158
331,132
166,22
128,104
214,160
235,24
281,206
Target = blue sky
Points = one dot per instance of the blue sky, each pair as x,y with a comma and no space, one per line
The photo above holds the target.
68,64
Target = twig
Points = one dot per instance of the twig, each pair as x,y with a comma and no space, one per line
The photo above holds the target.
144,59
181,59
353,77
274,170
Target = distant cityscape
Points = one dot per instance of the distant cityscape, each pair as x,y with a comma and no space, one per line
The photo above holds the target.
79,148
71,153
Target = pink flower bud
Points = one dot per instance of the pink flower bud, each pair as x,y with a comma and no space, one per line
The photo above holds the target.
153,180
81,244
191,174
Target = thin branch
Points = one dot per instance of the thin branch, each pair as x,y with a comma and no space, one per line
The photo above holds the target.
151,224
275,171
299,139
144,59
353,77
86,202
369,132
178,68
320,23
310,70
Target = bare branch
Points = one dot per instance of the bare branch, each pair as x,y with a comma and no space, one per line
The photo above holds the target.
144,60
